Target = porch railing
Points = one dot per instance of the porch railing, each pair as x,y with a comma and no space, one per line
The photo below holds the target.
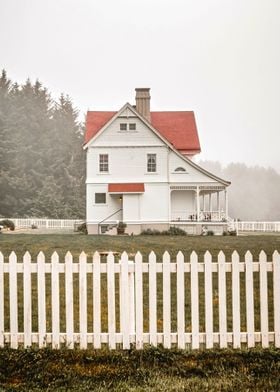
204,216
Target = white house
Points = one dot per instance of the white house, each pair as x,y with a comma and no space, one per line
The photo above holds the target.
140,171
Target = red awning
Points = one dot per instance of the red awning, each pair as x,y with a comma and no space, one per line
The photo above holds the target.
126,188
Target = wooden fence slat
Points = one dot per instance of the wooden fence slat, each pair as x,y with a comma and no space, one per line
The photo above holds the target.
69,300
111,300
194,301
208,299
41,285
235,300
276,297
152,299
27,316
125,301
96,301
13,300
55,301
139,300
250,319
180,300
263,299
222,300
2,323
83,299
166,283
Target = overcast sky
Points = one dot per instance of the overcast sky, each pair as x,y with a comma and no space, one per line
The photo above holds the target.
220,58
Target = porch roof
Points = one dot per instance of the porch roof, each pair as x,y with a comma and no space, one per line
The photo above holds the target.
126,188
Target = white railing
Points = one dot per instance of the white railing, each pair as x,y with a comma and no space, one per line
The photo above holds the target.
183,303
45,223
257,226
207,216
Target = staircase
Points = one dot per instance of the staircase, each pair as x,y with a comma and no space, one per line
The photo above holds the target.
106,225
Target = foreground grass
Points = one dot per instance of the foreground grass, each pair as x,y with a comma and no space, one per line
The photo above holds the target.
148,370
20,243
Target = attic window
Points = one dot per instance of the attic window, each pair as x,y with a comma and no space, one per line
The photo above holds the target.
132,127
123,126
180,169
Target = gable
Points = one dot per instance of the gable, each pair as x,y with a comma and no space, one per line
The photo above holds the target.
178,128
113,135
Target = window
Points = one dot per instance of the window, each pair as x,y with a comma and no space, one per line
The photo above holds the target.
151,163
104,163
100,198
180,169
132,127
123,126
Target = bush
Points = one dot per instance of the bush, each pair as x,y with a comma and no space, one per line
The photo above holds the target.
210,232
82,228
7,223
232,232
171,231
225,232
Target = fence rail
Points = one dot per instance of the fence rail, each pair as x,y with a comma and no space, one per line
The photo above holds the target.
95,301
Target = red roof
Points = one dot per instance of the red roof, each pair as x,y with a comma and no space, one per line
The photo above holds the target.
126,188
179,128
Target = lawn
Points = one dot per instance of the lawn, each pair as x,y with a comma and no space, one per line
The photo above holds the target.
20,243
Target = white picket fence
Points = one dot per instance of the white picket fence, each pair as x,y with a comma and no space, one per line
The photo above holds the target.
257,226
42,223
119,302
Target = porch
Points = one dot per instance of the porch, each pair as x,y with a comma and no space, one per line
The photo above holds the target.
198,203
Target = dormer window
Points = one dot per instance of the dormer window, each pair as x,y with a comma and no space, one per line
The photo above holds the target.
180,169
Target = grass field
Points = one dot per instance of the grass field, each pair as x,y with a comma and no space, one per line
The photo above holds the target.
151,369
20,243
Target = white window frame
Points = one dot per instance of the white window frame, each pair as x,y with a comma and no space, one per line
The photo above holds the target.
103,163
151,163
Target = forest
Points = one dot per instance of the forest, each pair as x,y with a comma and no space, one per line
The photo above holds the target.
42,162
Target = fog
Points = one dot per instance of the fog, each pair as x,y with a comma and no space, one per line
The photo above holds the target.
219,58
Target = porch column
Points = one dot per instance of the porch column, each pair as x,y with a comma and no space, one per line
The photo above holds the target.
218,206
210,203
226,204
197,205
203,201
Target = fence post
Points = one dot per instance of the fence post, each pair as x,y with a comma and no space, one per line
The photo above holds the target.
41,282
249,299
96,301
13,300
235,300
222,299
194,301
124,289
263,299
69,300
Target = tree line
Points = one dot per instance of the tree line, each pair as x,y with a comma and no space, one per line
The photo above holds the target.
253,193
42,163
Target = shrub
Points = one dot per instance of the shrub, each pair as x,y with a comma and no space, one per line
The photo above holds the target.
225,232
171,231
210,232
7,223
82,228
232,232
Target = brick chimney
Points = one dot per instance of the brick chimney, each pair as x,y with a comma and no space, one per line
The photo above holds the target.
143,102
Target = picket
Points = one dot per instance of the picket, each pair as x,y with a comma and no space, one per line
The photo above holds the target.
194,301
41,287
222,299
96,301
152,299
27,315
249,299
1,302
69,312
276,296
180,300
133,276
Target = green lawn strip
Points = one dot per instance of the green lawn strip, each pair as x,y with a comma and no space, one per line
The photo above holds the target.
153,369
